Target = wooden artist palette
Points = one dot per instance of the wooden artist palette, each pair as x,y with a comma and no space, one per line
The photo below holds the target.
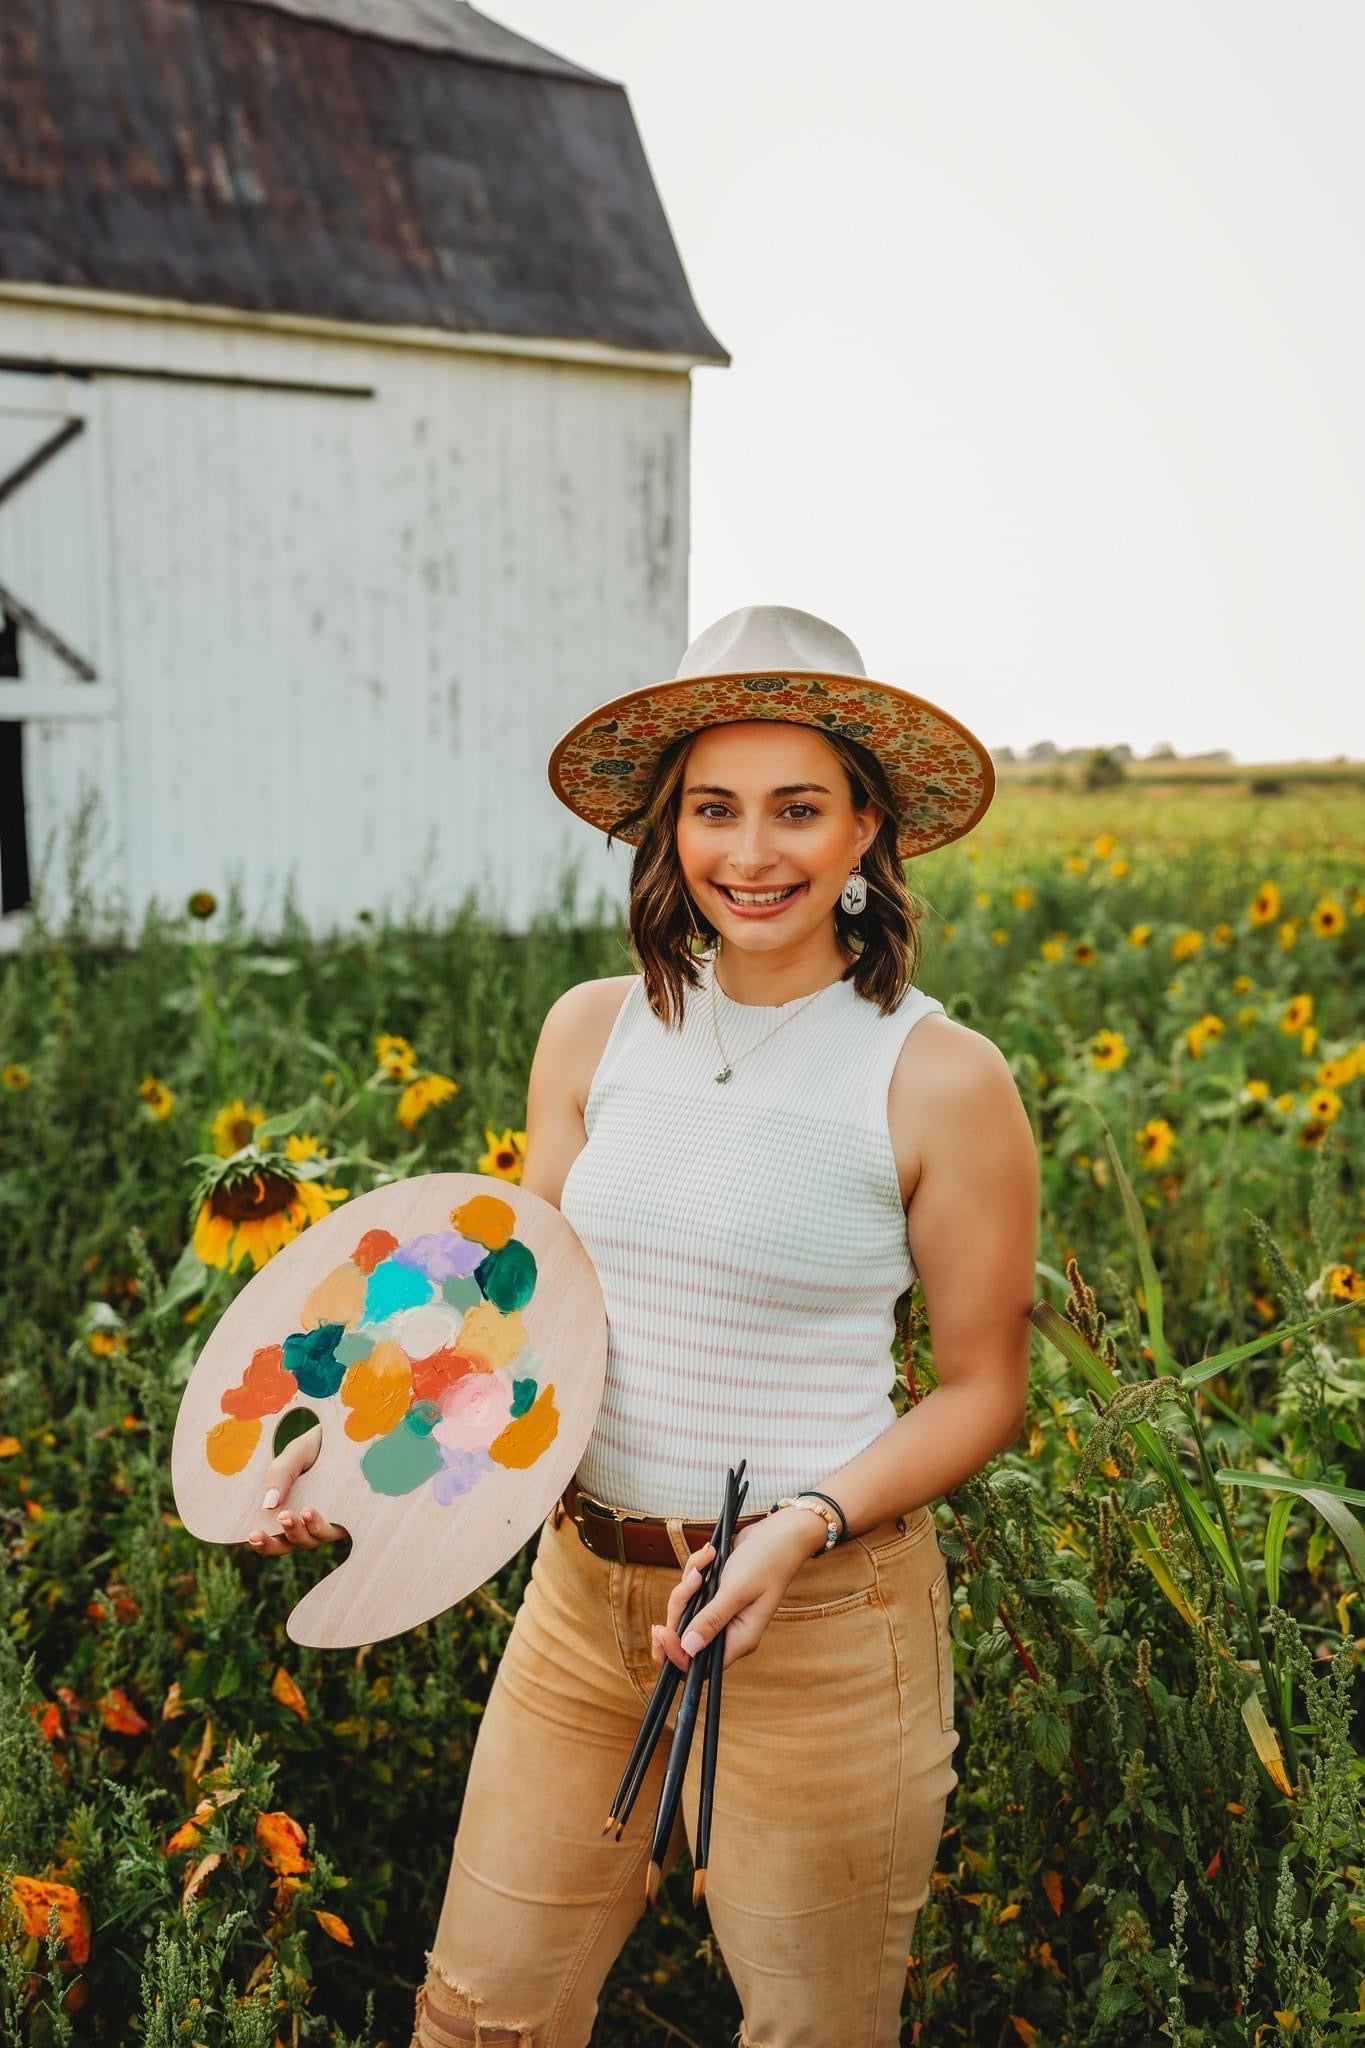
449,1334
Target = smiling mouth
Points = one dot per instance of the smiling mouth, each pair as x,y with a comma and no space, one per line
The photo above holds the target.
758,898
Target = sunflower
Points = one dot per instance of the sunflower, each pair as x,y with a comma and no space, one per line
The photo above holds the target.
1345,1284
947,931
253,1207
1336,1073
1256,1091
1242,984
1284,1103
1108,1050
982,899
1327,917
1155,1142
1296,1013
1000,935
421,1094
303,1145
157,1097
1053,948
1118,869
1076,864
1288,932
1139,935
1247,1016
1083,953
1201,1032
1312,1133
395,1055
1265,904
1221,933
234,1127
1104,845
505,1154
1022,899
1324,1104
1186,944
13,1075
202,904
1308,1039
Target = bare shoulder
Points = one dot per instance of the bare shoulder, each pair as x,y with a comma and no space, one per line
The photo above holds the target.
577,1026
949,1083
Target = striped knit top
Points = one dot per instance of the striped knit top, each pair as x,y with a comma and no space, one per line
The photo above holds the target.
750,1242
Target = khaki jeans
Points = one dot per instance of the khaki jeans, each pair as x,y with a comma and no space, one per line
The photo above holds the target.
833,1771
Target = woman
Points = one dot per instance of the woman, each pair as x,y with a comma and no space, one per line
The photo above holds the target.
760,1139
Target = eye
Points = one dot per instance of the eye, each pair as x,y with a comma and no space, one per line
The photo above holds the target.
811,810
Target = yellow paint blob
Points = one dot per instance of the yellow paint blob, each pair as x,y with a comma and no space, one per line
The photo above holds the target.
489,1337
230,1444
522,1442
337,1298
487,1220
377,1391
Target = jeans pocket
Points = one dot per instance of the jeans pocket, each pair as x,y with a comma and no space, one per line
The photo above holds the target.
940,1602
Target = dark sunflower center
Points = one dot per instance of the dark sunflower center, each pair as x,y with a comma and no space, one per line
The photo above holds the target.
254,1196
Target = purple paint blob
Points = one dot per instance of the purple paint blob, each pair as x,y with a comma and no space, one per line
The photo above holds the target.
441,1255
460,1470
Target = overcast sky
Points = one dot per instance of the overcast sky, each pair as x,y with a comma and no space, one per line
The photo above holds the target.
1047,323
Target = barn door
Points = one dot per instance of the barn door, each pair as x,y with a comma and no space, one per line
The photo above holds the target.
56,689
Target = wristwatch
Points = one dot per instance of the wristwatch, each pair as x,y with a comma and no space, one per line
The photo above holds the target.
817,1507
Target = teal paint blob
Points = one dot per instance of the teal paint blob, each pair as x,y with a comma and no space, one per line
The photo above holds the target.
523,1395
422,1417
392,1286
508,1276
407,1457
462,1292
311,1356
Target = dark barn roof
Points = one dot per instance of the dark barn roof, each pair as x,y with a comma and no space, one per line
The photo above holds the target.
392,162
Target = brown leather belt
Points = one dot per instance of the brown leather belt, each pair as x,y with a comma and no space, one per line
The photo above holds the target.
629,1538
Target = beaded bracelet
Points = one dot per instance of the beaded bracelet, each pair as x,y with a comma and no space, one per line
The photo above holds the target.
815,1494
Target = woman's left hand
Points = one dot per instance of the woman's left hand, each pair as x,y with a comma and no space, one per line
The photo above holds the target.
765,1557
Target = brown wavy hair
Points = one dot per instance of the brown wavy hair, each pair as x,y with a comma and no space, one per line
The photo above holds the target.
667,928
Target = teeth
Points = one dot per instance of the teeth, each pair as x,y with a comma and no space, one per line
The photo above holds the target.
762,896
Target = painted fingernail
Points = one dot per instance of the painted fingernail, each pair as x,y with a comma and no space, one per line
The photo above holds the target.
692,1642
272,1499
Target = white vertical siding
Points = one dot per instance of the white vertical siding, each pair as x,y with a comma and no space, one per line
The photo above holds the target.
344,633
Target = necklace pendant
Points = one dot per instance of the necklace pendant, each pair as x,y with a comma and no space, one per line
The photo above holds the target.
725,1073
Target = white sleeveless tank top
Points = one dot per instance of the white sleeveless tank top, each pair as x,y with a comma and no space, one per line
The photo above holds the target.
750,1243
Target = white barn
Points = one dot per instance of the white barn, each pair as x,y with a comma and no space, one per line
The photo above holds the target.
345,363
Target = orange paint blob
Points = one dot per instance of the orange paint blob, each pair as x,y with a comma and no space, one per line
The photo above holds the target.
373,1246
339,1297
487,1220
265,1387
522,1442
231,1444
377,1391
431,1376
489,1336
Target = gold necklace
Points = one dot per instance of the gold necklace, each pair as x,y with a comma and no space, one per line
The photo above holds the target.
728,1065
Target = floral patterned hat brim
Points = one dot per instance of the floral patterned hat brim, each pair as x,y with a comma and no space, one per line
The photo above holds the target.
942,776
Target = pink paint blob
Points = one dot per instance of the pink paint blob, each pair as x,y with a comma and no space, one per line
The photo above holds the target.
475,1410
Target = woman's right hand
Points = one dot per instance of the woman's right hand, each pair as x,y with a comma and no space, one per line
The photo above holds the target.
301,1528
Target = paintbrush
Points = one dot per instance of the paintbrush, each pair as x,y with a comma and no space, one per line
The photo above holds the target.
667,1683
714,1655
687,1713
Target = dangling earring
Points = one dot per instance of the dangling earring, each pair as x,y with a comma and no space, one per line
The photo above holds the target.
854,893
695,926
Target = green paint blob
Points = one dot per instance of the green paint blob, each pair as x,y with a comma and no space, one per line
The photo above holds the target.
461,1292
508,1276
407,1457
311,1356
523,1395
354,1346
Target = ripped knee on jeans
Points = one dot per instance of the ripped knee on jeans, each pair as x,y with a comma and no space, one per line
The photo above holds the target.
447,2014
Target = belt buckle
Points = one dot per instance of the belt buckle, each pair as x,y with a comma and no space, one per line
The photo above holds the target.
616,1516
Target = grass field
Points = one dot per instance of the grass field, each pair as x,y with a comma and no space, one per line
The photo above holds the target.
1157,1591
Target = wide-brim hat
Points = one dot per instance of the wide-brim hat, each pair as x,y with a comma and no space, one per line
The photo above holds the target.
770,661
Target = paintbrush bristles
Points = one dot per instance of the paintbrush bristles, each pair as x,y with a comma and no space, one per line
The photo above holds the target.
653,1877
698,1886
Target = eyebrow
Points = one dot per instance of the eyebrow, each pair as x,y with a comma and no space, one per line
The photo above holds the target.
784,789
